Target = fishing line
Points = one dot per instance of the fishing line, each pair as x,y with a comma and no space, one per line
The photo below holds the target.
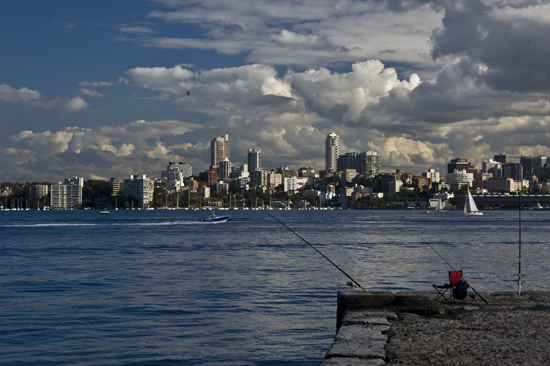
454,269
324,256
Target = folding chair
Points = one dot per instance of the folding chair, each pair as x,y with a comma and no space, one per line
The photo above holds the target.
445,292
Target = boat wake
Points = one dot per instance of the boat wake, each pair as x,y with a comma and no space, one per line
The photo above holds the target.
167,223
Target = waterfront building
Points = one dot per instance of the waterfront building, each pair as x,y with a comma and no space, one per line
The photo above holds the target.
36,191
67,195
254,160
219,149
117,185
457,164
332,151
499,185
176,174
140,188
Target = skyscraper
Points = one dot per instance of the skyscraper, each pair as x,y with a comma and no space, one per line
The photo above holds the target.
219,149
331,151
254,160
457,164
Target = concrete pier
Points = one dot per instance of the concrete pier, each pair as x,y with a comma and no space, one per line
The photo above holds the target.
383,328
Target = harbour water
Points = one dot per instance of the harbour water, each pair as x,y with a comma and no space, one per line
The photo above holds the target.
160,288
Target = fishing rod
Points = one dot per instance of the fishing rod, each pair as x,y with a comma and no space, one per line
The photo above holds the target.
453,269
324,256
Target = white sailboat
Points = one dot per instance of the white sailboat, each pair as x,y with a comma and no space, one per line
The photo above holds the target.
439,206
470,208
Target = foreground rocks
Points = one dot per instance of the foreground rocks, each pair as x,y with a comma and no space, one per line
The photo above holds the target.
412,329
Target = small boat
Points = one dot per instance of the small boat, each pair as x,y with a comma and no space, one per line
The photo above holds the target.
470,208
105,212
213,219
439,206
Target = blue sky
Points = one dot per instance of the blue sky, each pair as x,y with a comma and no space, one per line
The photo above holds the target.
99,89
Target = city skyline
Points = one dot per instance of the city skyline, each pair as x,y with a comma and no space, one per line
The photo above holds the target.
105,89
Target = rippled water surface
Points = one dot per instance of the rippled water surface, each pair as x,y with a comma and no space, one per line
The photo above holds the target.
158,287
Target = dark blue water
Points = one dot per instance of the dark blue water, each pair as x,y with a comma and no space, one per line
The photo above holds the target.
160,288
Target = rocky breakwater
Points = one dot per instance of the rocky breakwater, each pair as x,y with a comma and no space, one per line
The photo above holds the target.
409,328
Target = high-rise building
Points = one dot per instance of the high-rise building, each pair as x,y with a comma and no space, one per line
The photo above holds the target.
210,177
538,163
254,160
117,185
367,163
331,151
491,166
219,149
370,164
431,174
175,174
139,188
36,191
67,194
508,159
225,168
527,167
457,164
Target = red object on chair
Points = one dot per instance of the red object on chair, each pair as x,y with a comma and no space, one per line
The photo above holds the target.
445,292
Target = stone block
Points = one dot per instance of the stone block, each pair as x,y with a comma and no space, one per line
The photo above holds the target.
359,342
343,361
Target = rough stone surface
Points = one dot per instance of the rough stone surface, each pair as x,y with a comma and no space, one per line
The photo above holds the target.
352,362
358,342
511,330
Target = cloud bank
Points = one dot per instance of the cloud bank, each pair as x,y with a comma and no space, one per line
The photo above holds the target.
420,82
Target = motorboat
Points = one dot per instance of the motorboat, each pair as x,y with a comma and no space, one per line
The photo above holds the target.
213,219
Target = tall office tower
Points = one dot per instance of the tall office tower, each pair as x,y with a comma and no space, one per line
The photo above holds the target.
493,167
507,159
370,163
224,169
219,149
254,160
457,164
331,151
538,163
527,167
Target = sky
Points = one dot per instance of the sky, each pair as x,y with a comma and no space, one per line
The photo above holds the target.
102,89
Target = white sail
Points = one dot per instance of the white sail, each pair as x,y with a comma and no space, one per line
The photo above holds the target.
470,208
439,206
